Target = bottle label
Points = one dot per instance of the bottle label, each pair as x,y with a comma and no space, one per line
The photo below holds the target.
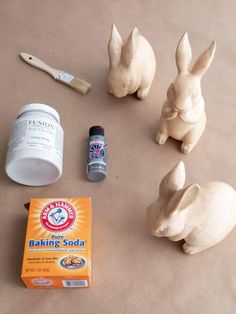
97,154
36,133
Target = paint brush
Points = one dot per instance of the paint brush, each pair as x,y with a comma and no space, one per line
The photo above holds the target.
70,80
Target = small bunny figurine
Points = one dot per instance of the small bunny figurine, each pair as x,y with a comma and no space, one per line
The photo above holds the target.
202,215
132,64
183,114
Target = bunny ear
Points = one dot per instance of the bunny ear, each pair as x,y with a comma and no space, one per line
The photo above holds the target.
173,181
184,198
130,47
204,61
183,54
115,46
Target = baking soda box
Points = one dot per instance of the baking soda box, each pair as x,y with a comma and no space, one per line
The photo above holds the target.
58,244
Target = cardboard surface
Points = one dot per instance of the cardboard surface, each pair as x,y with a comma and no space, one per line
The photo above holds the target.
133,272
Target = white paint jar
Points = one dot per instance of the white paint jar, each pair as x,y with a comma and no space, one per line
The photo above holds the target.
35,148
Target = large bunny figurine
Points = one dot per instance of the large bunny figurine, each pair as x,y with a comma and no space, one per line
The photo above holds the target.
132,64
202,215
183,114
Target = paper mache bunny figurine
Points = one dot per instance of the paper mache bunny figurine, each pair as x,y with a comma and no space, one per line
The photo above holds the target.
183,114
132,64
202,215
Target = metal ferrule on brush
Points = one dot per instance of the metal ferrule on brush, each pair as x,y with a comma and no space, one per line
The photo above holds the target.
72,81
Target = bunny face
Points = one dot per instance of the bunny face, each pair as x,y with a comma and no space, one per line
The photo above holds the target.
184,92
118,80
167,216
163,223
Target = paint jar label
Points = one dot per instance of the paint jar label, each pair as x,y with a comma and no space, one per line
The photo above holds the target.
37,133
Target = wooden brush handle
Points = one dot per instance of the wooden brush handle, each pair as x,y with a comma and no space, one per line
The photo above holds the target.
39,64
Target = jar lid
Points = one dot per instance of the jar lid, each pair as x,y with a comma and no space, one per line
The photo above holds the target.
42,108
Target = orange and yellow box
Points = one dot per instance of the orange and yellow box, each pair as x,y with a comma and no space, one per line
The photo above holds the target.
58,244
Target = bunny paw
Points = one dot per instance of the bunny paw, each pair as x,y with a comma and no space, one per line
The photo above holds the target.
188,249
161,138
186,148
142,93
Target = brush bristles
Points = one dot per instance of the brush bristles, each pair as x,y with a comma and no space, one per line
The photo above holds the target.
80,85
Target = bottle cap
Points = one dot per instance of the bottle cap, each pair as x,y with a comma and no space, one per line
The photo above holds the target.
96,130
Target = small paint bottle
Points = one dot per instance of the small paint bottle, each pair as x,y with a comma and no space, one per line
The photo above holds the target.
97,158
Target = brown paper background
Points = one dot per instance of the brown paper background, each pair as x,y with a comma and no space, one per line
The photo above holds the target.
133,271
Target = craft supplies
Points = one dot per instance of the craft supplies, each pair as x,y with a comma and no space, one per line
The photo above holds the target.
58,244
70,80
97,159
35,148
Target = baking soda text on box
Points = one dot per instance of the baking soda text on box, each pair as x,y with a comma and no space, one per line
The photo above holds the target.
58,244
